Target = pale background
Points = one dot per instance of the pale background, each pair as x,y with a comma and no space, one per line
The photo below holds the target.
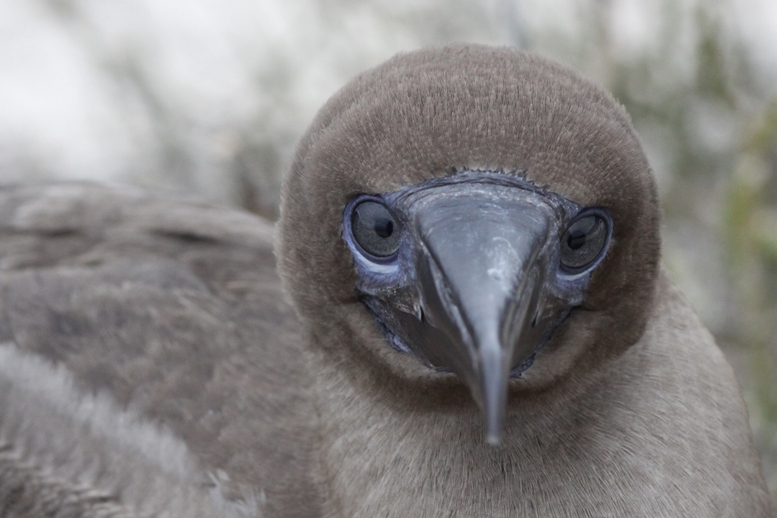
209,96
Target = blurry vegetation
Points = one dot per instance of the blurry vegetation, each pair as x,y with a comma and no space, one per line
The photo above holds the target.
707,116
750,238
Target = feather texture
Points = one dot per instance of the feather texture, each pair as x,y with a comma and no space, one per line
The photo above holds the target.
152,363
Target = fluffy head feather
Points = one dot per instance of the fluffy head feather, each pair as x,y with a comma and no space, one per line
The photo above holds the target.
434,112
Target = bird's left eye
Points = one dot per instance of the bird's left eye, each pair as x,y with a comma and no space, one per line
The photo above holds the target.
584,242
375,229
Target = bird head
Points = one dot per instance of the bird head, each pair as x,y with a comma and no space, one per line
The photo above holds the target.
474,213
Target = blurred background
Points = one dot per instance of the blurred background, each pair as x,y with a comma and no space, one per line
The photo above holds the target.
209,96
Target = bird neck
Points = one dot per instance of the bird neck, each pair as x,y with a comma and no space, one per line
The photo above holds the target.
424,445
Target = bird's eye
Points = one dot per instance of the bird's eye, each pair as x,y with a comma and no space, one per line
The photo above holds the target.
374,229
584,242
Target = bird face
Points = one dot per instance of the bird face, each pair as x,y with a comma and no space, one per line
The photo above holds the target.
472,273
491,211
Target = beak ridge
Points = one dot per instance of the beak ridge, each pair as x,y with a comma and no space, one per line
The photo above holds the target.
481,279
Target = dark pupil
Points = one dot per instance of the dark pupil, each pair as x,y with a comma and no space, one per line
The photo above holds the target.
384,227
576,239
373,229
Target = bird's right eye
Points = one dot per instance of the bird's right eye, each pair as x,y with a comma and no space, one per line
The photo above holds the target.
375,229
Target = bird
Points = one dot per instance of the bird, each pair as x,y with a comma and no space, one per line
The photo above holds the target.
468,318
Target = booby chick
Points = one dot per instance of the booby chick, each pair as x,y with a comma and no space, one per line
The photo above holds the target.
480,326
471,238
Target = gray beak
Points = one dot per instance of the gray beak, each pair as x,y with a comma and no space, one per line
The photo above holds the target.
484,255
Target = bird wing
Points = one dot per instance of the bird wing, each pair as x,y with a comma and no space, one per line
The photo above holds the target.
161,313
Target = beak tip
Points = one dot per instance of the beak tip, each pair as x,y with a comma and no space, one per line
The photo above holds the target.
493,390
494,439
494,429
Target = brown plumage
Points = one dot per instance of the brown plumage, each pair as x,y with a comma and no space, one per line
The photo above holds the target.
172,308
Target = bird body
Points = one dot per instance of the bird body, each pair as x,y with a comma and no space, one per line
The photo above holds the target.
434,359
168,309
